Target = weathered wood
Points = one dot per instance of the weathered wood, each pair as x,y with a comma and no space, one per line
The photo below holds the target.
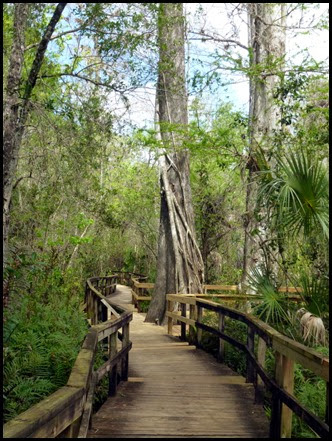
81,371
280,396
109,327
251,373
327,410
199,319
192,316
220,288
49,417
261,352
125,358
170,319
221,348
285,378
183,324
112,375
307,357
109,364
87,410
175,392
176,316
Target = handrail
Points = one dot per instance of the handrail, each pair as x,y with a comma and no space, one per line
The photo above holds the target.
68,410
287,352
139,292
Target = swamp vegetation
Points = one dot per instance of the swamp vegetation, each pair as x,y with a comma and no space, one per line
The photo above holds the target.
82,182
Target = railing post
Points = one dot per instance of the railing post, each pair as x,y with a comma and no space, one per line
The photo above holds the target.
183,325
192,316
112,375
221,348
284,375
250,377
125,359
327,410
169,319
199,320
259,390
138,301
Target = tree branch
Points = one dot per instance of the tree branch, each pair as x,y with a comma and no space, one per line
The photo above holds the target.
37,62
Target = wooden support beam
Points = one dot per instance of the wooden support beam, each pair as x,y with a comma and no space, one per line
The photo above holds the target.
199,320
169,320
183,324
221,348
284,375
259,390
192,316
125,359
112,375
251,373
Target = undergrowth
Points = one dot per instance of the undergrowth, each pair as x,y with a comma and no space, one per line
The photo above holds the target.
42,336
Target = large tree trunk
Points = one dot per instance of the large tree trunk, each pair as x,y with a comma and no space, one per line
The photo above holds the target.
179,267
16,108
267,35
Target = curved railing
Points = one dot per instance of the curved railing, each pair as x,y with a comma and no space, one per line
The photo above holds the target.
67,412
286,351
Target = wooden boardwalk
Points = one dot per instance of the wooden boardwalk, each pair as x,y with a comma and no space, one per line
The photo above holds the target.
176,391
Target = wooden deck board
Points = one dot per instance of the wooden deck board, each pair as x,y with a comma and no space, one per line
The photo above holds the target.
177,391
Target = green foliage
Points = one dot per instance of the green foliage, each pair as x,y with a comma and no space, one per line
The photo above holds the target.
41,342
273,308
299,194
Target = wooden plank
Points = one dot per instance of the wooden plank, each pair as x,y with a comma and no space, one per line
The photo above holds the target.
261,353
181,298
81,371
110,308
49,417
87,410
183,324
221,347
303,355
107,328
307,357
288,384
178,317
221,287
109,364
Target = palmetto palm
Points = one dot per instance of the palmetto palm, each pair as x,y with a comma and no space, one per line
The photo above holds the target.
298,194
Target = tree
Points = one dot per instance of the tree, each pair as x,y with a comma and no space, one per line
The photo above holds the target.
179,266
266,56
17,105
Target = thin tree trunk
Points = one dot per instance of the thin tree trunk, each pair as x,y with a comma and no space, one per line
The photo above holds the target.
16,110
267,43
11,136
179,266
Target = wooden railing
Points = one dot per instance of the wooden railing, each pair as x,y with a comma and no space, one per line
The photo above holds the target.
140,292
286,351
125,277
67,412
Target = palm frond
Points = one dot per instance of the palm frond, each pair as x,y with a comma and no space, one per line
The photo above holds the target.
298,195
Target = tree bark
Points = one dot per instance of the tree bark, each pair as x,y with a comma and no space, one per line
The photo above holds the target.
179,266
267,46
16,110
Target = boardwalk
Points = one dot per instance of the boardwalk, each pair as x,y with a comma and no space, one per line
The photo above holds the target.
176,390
